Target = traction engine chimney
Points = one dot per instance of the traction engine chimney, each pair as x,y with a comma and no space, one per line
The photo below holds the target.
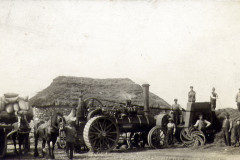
146,98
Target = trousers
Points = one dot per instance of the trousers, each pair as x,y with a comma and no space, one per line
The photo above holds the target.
170,136
227,137
69,147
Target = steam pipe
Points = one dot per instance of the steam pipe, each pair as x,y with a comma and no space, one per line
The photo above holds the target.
146,98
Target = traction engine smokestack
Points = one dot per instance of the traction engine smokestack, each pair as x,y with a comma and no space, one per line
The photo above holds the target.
146,98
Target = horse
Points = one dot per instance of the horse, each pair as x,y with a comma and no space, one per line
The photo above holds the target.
48,132
21,133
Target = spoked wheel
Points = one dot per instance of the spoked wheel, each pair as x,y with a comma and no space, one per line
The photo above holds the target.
101,134
62,140
157,137
93,103
192,137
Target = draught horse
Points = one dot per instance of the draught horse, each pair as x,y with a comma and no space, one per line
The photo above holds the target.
22,134
48,132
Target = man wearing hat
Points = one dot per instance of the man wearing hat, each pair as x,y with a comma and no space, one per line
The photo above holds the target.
226,129
213,99
237,133
71,135
238,100
171,129
81,110
191,95
176,112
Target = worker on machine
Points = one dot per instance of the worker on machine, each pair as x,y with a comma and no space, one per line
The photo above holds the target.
238,100
226,129
81,111
130,109
191,95
171,129
176,112
213,99
202,124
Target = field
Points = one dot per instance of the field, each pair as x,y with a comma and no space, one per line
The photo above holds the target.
207,152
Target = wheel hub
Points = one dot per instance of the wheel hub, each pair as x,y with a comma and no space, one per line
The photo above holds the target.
104,134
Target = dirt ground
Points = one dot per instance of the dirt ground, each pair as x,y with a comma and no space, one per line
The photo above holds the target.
207,152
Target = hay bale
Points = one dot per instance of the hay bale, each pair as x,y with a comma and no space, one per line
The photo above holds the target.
9,108
10,95
24,98
23,105
11,100
16,107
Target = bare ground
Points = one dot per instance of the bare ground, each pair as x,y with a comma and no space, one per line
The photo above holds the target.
207,152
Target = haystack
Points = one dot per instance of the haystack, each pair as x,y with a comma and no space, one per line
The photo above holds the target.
65,91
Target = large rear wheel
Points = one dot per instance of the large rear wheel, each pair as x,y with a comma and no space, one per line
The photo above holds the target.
101,134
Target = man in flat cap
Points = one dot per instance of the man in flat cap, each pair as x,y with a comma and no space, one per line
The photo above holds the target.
213,99
176,112
81,111
226,129
171,129
191,95
238,100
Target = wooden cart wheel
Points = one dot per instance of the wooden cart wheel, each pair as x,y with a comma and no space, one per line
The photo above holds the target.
101,134
3,143
62,140
157,137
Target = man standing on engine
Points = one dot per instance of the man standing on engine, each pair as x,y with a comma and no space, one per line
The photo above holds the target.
213,99
191,95
176,112
238,100
81,111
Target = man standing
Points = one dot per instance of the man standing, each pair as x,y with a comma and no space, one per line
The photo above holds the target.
71,135
226,128
176,112
171,129
238,100
191,95
213,99
81,111
202,124
237,133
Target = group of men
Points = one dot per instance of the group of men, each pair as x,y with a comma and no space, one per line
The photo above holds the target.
202,124
176,108
213,97
227,128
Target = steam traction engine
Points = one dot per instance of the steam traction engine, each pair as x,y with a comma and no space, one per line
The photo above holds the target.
106,127
101,133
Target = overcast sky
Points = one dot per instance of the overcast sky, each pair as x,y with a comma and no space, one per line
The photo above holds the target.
169,44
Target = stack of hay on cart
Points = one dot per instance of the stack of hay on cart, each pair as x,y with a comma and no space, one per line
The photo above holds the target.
11,105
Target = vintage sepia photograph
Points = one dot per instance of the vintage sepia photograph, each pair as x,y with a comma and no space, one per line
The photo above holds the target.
120,79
